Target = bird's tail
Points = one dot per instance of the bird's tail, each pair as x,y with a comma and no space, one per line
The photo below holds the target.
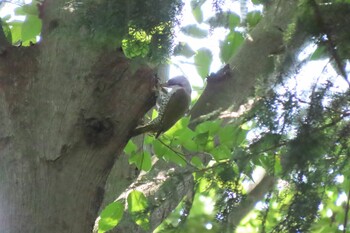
142,129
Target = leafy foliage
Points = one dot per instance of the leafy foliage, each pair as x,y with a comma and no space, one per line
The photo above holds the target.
141,28
23,32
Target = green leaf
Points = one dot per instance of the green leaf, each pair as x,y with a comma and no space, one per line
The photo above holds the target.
224,19
141,160
185,139
226,135
197,162
253,18
203,60
110,216
230,45
31,28
176,158
209,126
130,147
137,202
168,154
198,14
178,127
183,49
148,139
197,3
320,53
196,6
16,28
159,148
28,9
221,152
257,2
154,114
240,136
138,209
233,20
194,31
201,139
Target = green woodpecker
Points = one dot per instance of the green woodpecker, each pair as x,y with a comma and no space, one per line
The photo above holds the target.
173,105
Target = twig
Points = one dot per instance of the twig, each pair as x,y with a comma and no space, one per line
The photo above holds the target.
177,153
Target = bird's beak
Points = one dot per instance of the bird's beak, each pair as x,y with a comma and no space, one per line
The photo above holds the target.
163,87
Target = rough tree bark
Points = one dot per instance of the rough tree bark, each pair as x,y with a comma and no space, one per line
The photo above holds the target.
66,114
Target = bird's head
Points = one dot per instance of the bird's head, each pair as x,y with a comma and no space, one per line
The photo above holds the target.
179,82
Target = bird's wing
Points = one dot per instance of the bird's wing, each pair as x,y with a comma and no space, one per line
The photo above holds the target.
178,104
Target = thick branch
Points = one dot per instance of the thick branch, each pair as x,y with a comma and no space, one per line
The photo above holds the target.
254,60
257,194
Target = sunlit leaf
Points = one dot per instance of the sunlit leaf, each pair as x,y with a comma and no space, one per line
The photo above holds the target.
197,162
130,147
28,9
178,127
142,160
138,208
110,216
31,28
209,126
16,31
221,152
149,139
226,135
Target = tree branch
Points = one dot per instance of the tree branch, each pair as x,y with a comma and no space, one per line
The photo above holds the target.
235,83
257,194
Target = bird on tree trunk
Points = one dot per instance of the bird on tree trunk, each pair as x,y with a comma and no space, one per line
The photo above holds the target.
173,105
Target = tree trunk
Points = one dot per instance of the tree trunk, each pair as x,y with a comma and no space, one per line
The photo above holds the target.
65,116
